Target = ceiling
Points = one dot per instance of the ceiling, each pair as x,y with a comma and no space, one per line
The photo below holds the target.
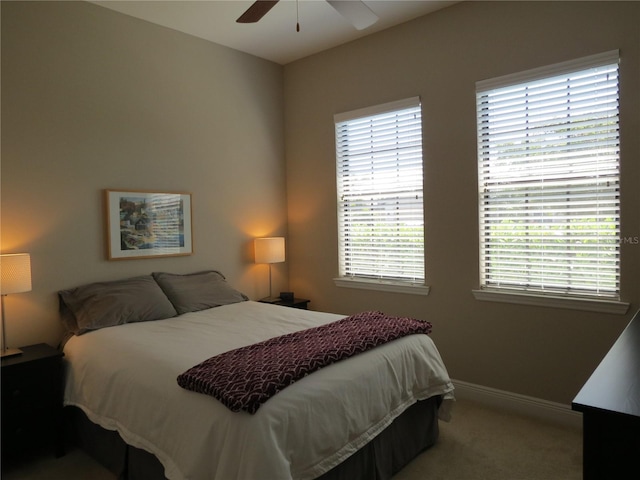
274,37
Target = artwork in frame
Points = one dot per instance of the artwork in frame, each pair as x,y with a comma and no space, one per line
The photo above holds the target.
144,224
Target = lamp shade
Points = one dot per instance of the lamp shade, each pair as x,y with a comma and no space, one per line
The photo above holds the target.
15,273
269,250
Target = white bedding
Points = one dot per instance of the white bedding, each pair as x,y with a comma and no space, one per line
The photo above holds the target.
124,379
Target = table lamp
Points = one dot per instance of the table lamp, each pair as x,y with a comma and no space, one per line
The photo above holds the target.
269,250
15,277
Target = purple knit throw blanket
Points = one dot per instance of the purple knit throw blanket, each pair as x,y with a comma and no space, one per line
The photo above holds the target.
245,378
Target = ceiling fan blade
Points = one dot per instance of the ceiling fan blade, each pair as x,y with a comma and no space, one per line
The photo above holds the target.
256,11
356,12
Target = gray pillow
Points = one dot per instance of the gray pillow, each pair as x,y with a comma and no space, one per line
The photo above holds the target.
105,304
197,291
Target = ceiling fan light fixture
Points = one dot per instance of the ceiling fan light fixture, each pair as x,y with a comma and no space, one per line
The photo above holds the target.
355,11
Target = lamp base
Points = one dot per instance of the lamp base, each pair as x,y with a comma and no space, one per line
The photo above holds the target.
10,352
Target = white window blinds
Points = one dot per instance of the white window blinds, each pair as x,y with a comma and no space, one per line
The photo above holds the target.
380,200
548,155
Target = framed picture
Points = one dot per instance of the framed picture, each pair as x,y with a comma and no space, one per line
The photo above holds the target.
143,224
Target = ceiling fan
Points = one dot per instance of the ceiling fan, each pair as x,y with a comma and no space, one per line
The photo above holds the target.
355,11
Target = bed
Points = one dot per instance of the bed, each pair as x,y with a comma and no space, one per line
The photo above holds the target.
362,417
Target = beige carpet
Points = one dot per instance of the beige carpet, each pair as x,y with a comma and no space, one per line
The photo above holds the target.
478,444
482,443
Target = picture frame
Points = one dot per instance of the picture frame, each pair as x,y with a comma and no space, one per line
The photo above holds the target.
147,224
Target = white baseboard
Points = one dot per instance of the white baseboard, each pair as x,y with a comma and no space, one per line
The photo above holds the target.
530,406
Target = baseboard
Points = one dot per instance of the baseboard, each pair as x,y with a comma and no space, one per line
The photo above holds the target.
530,406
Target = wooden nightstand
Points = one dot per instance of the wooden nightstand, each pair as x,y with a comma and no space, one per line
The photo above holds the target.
295,303
32,400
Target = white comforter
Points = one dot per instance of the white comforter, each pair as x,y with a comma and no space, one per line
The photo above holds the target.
124,379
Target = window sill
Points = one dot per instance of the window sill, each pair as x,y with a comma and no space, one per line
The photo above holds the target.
380,285
591,305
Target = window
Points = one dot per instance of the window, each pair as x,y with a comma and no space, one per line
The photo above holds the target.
380,200
548,158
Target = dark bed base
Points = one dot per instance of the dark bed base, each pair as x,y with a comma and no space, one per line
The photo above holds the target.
380,459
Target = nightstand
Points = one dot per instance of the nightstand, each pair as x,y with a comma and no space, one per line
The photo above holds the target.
295,303
32,400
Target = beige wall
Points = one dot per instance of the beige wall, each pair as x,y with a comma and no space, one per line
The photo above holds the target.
542,352
93,99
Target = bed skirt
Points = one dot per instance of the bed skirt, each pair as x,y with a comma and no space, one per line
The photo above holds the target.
405,438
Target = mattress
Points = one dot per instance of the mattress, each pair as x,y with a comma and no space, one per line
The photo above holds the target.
124,379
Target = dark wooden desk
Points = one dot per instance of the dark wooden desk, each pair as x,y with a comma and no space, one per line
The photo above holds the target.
610,404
